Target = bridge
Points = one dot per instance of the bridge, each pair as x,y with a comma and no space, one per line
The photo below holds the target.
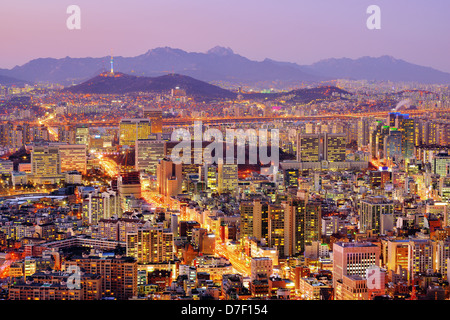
233,120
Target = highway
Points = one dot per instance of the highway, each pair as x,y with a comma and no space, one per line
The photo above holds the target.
237,262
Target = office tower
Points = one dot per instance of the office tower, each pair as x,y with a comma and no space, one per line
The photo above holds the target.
373,210
331,225
208,174
129,185
150,245
45,161
82,135
111,204
334,147
375,138
119,274
227,178
442,257
261,267
131,130
309,148
155,116
92,208
169,177
324,146
291,177
397,255
405,124
429,133
441,163
393,145
148,153
254,219
353,258
67,133
421,256
276,229
302,225
73,157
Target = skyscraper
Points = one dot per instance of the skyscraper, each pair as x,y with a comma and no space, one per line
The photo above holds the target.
353,258
155,116
148,153
227,177
169,177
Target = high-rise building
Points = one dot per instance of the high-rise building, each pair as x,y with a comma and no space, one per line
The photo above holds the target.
323,146
421,256
363,132
155,116
131,130
82,135
73,157
148,153
169,177
393,145
353,258
261,267
227,177
334,147
373,210
406,125
45,161
441,164
119,274
150,245
309,148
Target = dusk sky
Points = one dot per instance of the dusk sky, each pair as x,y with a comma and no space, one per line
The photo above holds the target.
286,30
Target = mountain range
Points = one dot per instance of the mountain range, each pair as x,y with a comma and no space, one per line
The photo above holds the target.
224,67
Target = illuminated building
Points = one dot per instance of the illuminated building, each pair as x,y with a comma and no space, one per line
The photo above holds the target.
6,167
441,164
45,164
118,274
67,133
227,178
128,184
311,288
372,211
421,256
302,225
169,177
254,220
406,125
363,132
276,227
131,130
325,146
353,258
334,147
208,174
150,245
398,254
148,153
73,157
309,148
393,145
291,177
92,209
261,267
442,257
82,135
49,286
155,116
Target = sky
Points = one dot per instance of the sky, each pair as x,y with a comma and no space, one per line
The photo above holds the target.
300,31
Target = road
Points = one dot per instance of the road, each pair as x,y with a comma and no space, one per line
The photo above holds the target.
237,262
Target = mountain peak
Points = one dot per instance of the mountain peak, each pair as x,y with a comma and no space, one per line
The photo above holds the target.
220,51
